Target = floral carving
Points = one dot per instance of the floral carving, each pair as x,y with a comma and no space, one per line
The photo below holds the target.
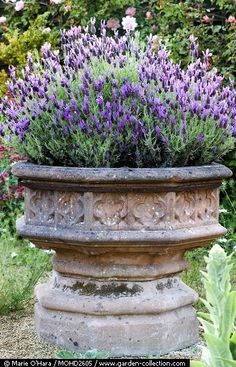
41,207
70,209
207,205
185,207
193,208
110,209
52,208
150,209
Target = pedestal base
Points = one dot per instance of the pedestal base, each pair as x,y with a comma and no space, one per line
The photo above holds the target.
153,317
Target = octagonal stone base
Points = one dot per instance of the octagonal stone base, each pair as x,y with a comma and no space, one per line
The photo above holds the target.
138,318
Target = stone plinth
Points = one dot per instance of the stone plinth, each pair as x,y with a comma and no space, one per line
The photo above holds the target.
119,236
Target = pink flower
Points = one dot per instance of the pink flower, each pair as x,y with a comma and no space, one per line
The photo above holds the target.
19,5
206,19
3,20
129,23
17,191
112,24
130,11
231,19
149,15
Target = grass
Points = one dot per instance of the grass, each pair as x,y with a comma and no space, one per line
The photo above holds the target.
21,266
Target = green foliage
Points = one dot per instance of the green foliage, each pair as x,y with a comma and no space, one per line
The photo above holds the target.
220,302
3,80
21,266
11,194
16,44
90,354
228,197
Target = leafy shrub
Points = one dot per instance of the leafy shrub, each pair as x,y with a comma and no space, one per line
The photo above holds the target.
16,44
220,302
110,101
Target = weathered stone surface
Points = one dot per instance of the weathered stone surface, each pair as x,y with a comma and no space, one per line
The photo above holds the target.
119,236
132,335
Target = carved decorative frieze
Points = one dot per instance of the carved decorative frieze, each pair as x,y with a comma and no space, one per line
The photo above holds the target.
54,208
129,211
149,209
156,211
110,209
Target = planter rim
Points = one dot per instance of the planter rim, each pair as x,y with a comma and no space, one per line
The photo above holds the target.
35,172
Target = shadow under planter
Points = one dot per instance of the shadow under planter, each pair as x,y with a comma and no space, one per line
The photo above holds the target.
119,236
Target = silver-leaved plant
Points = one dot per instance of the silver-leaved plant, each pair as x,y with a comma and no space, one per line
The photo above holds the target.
218,322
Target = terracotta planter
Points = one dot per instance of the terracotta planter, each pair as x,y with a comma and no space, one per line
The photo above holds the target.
119,236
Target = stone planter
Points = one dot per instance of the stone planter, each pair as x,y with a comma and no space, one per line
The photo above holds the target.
119,236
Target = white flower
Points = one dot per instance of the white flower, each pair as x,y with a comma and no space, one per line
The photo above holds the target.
129,23
47,30
19,5
31,245
13,255
55,1
223,210
3,20
222,240
49,252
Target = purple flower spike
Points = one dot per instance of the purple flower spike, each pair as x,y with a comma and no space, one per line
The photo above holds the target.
200,138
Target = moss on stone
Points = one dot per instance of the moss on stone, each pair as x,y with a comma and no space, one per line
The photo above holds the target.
112,289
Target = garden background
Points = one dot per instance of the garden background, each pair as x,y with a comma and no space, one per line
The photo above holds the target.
24,27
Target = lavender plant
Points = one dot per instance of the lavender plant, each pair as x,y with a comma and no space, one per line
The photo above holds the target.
106,101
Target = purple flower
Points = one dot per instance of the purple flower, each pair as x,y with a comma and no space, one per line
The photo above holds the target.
193,46
100,100
158,130
1,130
200,138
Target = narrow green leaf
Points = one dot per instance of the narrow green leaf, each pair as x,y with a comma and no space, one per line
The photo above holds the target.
204,315
232,346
